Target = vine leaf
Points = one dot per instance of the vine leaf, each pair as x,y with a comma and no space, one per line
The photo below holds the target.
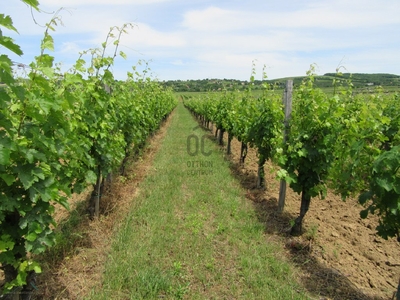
4,156
32,3
9,179
8,43
6,22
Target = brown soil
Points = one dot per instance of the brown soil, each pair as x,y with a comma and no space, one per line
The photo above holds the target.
339,254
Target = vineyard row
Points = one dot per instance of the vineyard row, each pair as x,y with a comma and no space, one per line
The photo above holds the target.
347,142
61,132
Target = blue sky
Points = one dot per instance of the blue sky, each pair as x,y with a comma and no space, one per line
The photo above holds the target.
198,39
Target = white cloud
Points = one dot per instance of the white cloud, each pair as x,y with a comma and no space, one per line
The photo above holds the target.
177,62
221,38
210,19
145,36
70,47
325,15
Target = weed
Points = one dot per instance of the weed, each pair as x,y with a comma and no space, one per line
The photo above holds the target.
311,233
336,250
221,228
177,268
179,291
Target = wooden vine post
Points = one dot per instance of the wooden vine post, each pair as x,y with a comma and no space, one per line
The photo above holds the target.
287,104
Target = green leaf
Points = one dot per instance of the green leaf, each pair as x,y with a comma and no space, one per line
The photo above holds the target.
15,106
9,179
35,226
31,237
46,61
21,279
302,153
10,45
26,177
48,43
64,202
90,177
34,266
6,243
4,156
122,54
384,183
33,3
6,22
30,154
39,173
48,71
46,241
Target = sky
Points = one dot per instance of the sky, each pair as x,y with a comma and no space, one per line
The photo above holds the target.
200,39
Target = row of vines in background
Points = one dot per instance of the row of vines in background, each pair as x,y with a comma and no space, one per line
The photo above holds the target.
61,132
253,121
344,141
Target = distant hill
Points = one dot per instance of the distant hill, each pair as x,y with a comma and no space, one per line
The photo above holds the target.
359,80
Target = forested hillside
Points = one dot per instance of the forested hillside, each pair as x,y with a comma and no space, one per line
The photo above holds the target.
360,81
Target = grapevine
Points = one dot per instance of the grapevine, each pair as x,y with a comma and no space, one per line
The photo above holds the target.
59,133
342,141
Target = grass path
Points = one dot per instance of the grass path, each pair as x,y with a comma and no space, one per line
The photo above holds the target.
191,234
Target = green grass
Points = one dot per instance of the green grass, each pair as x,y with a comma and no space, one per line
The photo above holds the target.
191,234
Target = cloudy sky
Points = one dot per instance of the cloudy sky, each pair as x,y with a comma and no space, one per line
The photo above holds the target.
198,39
